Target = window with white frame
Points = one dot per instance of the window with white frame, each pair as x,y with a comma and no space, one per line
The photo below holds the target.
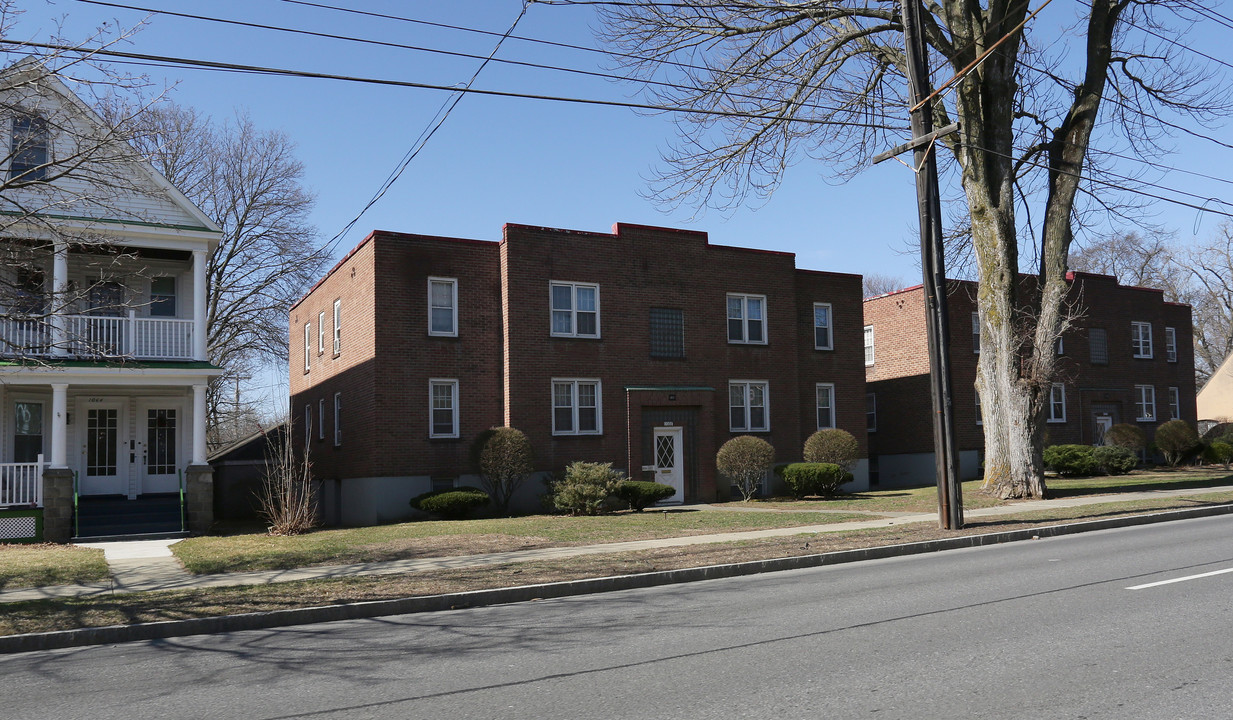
321,419
28,154
1141,339
976,333
308,333
321,333
163,296
871,412
1145,403
825,403
1175,404
443,306
337,326
337,419
747,319
575,309
868,345
1098,346
747,406
822,326
1057,403
576,407
443,408
1171,344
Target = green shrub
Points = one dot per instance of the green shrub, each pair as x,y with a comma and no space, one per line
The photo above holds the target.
1176,440
745,460
1219,452
451,504
832,446
1126,435
503,458
1115,459
585,487
805,479
641,494
1071,459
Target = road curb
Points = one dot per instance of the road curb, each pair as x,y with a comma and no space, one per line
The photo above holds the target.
478,598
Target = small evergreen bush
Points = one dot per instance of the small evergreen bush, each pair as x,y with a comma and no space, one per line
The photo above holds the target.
745,460
1071,459
585,487
804,479
641,494
1176,440
453,504
1115,459
1126,435
832,445
1219,452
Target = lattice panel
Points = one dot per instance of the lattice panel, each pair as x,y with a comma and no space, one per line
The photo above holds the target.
18,528
665,452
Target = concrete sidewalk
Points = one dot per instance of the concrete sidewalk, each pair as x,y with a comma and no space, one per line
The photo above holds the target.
149,565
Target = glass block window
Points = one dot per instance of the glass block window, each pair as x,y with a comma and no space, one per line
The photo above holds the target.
667,333
1098,346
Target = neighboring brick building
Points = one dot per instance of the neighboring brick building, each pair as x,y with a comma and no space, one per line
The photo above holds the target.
1128,358
647,347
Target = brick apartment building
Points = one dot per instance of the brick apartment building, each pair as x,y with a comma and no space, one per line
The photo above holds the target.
647,347
1127,359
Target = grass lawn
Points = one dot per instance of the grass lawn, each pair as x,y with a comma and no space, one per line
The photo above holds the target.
259,551
49,564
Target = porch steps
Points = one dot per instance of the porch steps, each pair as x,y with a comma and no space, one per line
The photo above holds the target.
110,517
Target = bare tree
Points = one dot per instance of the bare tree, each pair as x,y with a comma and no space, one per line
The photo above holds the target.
876,284
824,79
1145,260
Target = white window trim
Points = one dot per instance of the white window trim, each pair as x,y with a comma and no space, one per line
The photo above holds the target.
321,333
1135,327
1053,417
975,333
337,419
337,326
573,309
308,333
321,419
453,385
1175,403
830,326
1143,392
817,387
1171,344
766,406
745,298
599,405
868,343
453,283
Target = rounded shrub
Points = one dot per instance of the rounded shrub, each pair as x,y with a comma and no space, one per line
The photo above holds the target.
1071,459
1176,440
804,479
451,504
1115,459
503,458
584,488
1219,452
1127,436
832,445
745,460
641,494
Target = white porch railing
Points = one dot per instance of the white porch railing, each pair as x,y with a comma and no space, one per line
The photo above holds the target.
22,483
90,336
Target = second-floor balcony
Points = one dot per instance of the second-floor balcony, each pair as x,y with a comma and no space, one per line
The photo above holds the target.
98,337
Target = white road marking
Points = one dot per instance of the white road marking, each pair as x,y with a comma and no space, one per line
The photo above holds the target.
1181,579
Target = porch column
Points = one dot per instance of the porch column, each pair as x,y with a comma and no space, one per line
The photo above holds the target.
59,301
199,308
59,425
199,424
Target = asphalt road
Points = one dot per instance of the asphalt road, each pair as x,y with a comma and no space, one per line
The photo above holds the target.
1043,629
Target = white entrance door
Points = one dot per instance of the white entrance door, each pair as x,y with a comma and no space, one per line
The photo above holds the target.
104,452
1103,423
668,467
159,447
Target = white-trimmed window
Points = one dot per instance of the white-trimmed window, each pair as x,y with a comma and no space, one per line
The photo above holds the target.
576,407
1175,404
747,319
822,335
321,419
1145,403
443,408
1057,403
825,403
868,345
976,333
871,412
337,326
1171,344
163,296
29,149
308,334
1141,339
337,419
575,309
321,333
443,306
747,406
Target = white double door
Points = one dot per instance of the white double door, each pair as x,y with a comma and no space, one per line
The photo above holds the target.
130,456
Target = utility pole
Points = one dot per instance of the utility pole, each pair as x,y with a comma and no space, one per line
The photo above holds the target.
933,267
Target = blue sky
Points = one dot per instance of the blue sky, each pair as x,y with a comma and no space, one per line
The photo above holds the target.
498,160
